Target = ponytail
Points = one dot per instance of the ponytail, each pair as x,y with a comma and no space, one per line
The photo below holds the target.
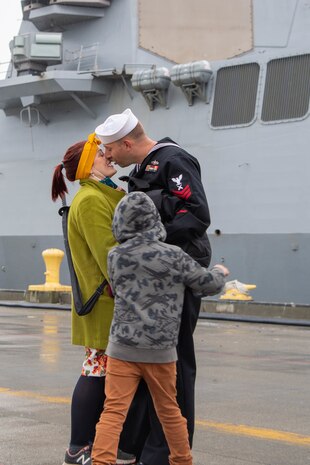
59,187
70,163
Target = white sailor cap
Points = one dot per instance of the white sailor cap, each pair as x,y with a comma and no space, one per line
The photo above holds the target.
116,126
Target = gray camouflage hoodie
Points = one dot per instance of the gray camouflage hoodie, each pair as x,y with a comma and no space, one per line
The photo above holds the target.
148,278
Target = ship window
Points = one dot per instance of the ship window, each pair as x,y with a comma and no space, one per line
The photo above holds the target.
235,95
287,88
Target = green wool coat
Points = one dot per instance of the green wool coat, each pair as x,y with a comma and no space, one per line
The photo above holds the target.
90,238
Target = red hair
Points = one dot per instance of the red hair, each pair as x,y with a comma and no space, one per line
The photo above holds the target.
70,163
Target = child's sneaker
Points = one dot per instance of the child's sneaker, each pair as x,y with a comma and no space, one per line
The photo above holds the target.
123,458
82,457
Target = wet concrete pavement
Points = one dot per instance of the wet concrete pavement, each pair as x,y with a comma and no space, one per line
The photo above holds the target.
252,396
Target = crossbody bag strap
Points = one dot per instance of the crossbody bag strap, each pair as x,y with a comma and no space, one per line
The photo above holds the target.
80,308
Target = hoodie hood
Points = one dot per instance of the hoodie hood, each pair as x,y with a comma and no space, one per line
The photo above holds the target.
136,214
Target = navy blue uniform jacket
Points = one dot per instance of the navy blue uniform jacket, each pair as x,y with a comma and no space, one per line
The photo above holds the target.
172,178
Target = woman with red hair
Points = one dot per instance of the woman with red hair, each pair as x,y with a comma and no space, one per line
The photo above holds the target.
90,238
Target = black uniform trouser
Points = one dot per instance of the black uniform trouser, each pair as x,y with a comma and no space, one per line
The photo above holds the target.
147,428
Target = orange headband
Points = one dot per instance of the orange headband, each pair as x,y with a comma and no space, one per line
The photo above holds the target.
88,156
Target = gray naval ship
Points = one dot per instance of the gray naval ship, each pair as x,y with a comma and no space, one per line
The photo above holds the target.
226,79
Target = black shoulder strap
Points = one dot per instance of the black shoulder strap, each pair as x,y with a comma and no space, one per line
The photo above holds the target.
80,309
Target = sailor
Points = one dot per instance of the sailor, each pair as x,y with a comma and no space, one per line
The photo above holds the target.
171,177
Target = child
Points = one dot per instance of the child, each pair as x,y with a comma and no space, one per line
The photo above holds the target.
148,278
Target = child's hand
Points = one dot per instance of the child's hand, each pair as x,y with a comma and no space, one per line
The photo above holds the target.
222,268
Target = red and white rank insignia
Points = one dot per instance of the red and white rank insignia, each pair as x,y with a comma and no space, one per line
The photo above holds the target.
181,192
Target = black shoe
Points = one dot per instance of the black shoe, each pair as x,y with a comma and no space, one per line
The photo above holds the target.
82,457
123,458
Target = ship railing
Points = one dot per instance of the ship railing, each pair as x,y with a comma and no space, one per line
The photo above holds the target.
6,69
88,58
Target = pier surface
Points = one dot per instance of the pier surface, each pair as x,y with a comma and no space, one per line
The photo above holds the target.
252,395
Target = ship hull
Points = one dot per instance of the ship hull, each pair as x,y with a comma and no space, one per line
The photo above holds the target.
254,165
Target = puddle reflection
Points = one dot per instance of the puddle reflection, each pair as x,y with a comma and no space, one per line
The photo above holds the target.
50,350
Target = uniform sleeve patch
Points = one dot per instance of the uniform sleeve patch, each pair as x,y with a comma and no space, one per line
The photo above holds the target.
178,182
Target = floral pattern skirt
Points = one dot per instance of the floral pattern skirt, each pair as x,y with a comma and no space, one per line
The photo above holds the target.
94,363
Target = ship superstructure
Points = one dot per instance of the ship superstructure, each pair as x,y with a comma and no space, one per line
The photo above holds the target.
229,81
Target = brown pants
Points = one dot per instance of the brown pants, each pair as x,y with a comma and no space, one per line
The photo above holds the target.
122,380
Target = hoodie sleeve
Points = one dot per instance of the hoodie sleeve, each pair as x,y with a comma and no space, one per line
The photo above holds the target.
203,282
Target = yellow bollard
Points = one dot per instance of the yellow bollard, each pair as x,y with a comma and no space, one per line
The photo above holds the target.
235,290
52,259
